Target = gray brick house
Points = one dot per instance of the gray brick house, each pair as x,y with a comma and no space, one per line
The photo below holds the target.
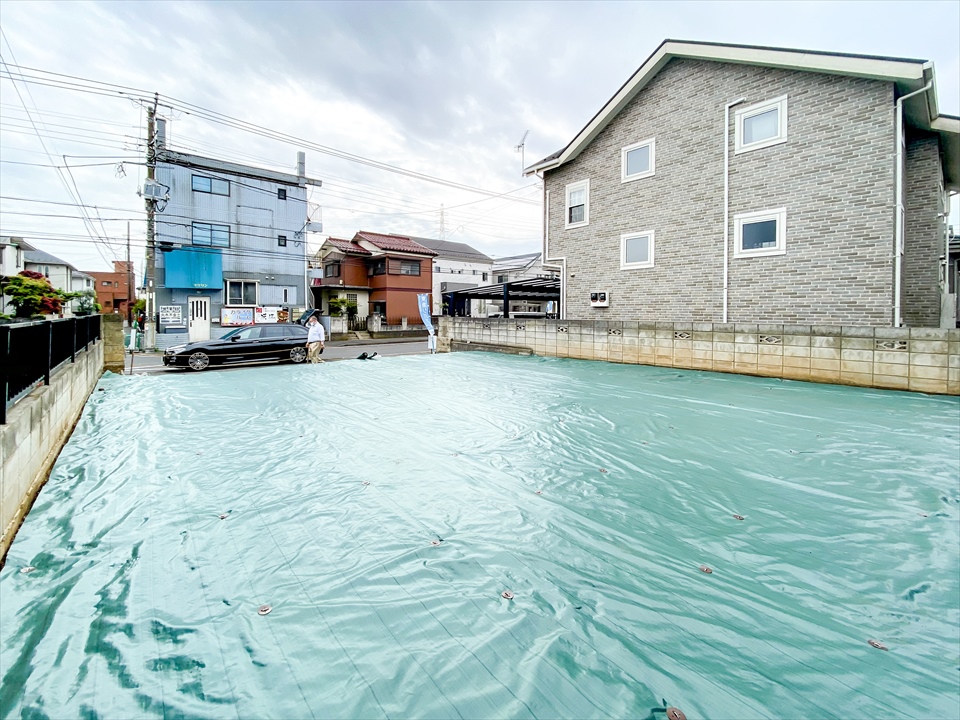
742,184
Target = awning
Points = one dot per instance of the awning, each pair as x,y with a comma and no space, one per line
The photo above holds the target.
529,289
193,268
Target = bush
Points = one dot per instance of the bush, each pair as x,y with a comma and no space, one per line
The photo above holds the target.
32,295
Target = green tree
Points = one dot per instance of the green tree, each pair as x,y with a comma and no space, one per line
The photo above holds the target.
31,294
139,307
341,306
88,303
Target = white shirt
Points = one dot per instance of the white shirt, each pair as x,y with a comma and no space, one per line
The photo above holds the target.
315,333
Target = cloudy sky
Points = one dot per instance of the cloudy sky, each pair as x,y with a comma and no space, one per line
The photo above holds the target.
445,90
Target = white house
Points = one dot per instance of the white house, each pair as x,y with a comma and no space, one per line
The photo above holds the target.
458,266
61,274
11,263
521,267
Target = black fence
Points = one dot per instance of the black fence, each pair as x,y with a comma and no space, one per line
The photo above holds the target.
31,352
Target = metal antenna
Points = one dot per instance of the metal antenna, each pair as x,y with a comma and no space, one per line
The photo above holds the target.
519,149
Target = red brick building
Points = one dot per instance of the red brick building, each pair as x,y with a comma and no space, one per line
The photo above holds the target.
116,291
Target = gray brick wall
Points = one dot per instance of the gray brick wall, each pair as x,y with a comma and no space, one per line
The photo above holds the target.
923,231
834,175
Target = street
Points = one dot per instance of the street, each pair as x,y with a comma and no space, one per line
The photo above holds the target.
339,350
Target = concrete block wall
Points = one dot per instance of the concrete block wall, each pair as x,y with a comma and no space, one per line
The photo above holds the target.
920,359
834,176
37,428
111,330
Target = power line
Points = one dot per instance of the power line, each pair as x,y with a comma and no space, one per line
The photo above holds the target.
104,88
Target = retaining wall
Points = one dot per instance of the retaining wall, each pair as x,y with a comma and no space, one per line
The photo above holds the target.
920,359
37,428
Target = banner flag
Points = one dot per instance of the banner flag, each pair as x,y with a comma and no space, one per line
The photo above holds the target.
423,302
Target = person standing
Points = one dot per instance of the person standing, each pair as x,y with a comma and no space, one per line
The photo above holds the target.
315,339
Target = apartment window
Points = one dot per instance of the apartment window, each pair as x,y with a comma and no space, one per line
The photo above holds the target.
636,250
485,275
578,204
105,283
286,295
116,284
46,271
212,235
379,268
409,267
282,240
501,278
761,125
281,193
214,186
331,270
760,233
241,292
637,161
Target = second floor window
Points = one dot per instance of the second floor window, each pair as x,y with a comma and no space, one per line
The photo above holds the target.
578,204
637,161
282,240
212,235
409,267
331,270
379,268
761,125
214,186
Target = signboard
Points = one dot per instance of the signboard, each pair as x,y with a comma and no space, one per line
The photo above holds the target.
171,315
266,314
236,316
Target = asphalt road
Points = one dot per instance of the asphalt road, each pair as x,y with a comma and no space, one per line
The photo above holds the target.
153,362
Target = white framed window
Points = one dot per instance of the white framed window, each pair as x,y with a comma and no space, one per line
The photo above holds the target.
577,205
213,235
214,186
242,292
760,233
638,160
761,125
636,250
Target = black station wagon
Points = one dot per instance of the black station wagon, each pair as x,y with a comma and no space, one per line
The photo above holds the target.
275,342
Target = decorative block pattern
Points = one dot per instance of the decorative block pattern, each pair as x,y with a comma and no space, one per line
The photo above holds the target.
920,359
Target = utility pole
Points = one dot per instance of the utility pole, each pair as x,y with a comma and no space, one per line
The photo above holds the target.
150,340
129,281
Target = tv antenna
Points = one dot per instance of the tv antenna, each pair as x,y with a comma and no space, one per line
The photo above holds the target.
519,149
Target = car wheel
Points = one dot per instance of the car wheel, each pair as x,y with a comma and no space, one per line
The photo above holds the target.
199,361
298,354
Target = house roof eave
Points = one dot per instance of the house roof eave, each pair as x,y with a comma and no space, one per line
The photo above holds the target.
907,74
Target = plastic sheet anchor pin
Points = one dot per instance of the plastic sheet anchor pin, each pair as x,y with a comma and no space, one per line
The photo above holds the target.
27,569
223,517
435,542
506,595
603,470
539,492
705,569
675,714
738,517
264,610
365,482
877,644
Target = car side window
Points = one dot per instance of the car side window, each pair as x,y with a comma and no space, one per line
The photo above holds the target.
295,331
271,332
250,333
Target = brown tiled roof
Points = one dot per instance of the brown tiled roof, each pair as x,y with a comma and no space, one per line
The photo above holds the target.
398,243
348,246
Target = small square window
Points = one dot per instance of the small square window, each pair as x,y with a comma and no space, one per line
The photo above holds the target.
760,233
281,193
761,125
637,160
577,204
282,240
636,250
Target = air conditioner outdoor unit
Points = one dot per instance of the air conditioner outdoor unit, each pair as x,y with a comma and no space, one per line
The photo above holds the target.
153,190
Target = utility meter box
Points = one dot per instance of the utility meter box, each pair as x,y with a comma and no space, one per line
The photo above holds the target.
601,298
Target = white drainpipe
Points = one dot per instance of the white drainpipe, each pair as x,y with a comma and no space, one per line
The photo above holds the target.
898,225
726,202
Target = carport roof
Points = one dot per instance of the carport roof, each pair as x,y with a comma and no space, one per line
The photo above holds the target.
531,289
